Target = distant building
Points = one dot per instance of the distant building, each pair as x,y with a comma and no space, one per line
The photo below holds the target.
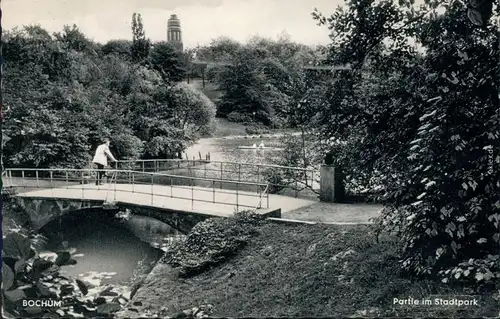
174,33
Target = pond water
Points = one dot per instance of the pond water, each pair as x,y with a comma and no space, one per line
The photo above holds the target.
105,250
227,149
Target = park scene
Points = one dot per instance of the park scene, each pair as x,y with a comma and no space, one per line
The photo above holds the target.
348,168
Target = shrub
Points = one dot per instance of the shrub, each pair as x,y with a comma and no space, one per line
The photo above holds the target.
211,242
429,124
26,274
297,151
239,117
193,109
256,130
29,274
127,146
276,179
71,101
15,217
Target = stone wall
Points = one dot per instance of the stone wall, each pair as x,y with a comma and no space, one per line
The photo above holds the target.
182,221
41,211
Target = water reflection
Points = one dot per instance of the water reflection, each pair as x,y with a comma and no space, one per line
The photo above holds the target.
235,149
102,245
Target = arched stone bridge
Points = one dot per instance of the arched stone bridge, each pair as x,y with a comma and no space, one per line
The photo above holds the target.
180,201
42,211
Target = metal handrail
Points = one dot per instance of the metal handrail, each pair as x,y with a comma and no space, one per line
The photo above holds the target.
80,178
135,172
112,181
239,168
268,165
219,162
296,178
259,205
158,160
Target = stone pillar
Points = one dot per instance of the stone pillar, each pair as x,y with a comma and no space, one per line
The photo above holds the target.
331,184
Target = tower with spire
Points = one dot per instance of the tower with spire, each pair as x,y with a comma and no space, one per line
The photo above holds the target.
174,34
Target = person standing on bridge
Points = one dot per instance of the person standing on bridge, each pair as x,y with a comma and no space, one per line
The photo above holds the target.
101,159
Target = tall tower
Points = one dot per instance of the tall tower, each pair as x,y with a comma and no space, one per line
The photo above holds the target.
174,34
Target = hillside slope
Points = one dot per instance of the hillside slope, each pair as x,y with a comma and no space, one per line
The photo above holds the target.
223,126
302,271
210,90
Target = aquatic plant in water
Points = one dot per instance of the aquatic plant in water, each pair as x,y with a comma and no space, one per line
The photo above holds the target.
28,274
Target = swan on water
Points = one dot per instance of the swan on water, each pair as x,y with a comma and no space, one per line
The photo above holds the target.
261,145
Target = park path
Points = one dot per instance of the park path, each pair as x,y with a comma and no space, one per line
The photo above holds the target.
300,210
214,202
335,213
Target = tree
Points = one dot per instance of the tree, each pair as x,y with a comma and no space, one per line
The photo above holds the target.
221,49
262,80
120,47
423,124
71,98
85,93
165,59
171,118
245,87
193,111
74,39
140,44
41,138
257,84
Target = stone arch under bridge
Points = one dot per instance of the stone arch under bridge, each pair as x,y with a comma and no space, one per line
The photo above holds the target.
41,211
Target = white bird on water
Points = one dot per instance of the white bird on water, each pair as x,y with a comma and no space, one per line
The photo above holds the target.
261,145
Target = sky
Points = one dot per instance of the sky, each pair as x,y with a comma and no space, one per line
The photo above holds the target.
201,20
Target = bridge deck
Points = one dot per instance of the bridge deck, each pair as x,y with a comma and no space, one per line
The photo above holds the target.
195,199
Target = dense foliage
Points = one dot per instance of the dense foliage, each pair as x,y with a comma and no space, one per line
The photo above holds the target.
140,44
29,274
169,62
211,242
64,94
422,124
416,118
262,80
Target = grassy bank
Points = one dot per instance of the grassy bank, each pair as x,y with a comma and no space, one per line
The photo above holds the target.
276,270
226,128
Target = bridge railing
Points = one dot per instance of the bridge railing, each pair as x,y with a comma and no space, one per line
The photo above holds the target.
195,189
279,178
158,165
265,194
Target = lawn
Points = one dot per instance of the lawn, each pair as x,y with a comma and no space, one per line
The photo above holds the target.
226,128
302,271
210,89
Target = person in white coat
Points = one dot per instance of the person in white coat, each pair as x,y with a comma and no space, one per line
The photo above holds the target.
101,159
